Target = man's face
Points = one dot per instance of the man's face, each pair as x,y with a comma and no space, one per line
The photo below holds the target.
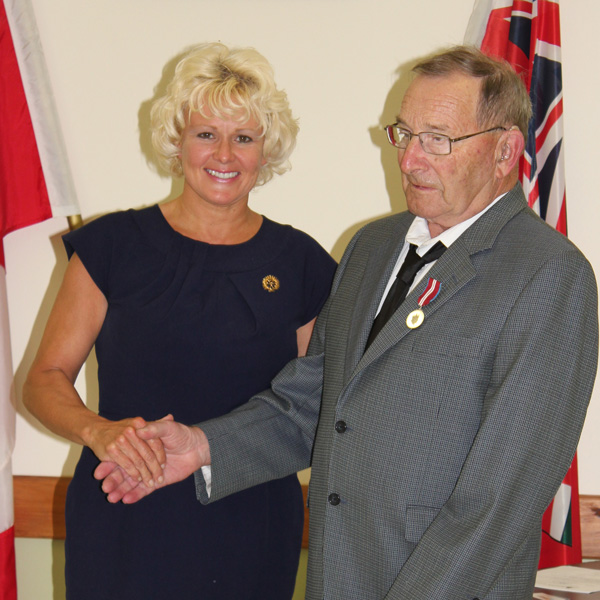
448,189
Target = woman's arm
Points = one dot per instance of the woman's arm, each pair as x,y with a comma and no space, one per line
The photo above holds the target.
303,335
49,392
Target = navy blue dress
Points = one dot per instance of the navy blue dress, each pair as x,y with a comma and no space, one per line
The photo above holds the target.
195,330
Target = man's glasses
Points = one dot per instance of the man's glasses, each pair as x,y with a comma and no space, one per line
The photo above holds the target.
432,143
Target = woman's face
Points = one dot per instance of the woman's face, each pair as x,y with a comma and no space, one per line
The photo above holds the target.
221,159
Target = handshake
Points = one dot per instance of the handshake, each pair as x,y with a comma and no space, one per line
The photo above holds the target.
159,453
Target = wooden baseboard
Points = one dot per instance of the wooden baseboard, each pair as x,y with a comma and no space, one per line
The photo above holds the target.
589,507
40,507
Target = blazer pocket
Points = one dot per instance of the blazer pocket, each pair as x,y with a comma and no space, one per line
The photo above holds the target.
418,519
450,346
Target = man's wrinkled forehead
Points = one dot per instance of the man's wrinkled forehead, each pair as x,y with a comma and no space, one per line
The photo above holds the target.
441,102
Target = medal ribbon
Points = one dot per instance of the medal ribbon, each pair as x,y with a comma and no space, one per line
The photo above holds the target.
431,292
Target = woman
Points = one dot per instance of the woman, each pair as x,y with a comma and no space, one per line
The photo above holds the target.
192,306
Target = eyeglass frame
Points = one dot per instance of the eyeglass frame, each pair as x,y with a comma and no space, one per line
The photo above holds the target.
451,141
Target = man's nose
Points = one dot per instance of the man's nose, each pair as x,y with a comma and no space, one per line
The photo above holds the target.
412,156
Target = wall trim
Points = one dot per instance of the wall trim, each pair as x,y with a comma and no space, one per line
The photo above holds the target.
40,507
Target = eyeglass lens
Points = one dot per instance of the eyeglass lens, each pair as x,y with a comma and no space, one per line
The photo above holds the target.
432,143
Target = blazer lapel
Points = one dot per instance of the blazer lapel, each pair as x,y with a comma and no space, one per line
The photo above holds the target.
377,272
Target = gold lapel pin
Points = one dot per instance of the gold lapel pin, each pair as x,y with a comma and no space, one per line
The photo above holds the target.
270,283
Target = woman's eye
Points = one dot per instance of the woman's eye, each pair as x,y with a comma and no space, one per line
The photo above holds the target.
205,135
244,139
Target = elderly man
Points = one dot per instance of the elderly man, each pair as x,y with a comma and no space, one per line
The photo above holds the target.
440,422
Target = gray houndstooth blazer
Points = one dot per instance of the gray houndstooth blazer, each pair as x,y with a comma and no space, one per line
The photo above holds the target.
436,451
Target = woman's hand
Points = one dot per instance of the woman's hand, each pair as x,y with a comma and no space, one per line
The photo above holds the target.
117,442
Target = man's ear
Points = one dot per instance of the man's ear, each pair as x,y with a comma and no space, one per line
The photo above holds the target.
508,151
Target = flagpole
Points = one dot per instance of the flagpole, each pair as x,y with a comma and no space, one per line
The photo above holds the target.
75,222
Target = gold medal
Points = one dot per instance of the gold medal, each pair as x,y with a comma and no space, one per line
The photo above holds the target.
415,319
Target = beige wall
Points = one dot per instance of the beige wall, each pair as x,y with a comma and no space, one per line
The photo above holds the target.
337,60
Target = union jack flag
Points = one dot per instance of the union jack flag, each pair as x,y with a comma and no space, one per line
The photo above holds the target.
526,33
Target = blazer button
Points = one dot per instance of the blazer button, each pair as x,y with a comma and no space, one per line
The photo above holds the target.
341,427
334,499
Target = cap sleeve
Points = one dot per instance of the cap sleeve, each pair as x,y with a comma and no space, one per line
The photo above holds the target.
319,270
94,245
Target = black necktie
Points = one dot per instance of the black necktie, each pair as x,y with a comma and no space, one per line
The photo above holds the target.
406,275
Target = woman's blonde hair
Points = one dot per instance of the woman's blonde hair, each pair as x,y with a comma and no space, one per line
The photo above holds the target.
213,79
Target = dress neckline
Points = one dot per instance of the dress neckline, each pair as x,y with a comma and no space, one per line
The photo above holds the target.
175,233
267,243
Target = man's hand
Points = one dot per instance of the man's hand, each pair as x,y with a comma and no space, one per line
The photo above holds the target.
186,450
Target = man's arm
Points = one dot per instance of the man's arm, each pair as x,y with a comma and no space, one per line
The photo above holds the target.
532,417
269,437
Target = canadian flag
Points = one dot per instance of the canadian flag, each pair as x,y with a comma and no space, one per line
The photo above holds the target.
35,184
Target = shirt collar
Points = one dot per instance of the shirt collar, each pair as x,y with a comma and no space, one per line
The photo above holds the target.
418,232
